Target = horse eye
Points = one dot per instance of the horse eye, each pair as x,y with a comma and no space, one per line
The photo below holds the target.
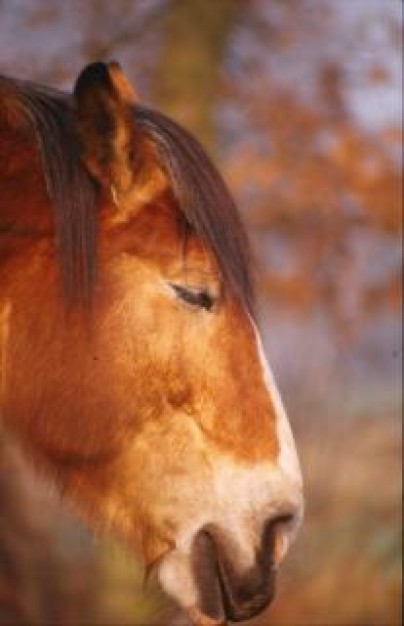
195,297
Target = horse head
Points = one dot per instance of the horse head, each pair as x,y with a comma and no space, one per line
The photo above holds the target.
132,367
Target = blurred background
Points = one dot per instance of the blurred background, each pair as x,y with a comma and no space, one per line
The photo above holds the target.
299,104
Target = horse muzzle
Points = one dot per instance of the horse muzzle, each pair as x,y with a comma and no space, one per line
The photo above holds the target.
226,590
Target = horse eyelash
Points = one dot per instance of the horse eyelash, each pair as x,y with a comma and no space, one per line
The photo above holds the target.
196,298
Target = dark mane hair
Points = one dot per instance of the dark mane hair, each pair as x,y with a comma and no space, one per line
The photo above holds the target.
73,193
200,191
204,199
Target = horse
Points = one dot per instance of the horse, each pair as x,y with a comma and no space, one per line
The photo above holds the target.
132,372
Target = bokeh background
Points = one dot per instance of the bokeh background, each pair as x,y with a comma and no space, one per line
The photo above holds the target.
299,104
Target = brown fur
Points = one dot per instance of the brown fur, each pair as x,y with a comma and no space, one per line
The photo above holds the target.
128,401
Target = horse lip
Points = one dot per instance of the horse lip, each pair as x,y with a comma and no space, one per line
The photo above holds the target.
221,593
205,569
239,609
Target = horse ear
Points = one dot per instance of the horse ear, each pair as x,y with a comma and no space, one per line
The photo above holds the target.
105,124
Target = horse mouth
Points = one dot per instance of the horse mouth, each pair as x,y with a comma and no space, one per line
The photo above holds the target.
224,593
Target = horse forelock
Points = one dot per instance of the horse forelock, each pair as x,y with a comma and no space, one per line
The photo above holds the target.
203,198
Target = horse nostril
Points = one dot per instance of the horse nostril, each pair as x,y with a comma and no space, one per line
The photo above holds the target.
276,538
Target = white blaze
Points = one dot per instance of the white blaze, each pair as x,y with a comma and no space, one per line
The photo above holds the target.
288,460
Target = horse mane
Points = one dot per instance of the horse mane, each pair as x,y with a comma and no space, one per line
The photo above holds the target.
73,193
203,198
